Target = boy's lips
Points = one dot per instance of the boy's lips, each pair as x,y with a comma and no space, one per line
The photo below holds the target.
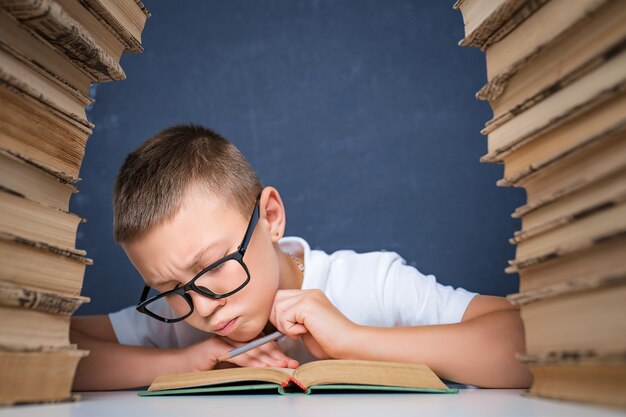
225,326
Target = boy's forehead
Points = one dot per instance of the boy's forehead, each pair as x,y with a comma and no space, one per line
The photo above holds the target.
161,256
203,225
211,250
214,218
208,202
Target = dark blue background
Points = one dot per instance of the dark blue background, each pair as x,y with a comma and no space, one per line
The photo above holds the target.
361,113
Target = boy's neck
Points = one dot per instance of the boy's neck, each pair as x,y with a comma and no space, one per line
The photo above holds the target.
290,276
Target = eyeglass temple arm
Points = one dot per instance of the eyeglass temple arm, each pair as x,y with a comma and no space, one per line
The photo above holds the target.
144,294
250,230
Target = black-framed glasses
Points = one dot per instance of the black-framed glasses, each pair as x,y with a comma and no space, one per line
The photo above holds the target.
221,279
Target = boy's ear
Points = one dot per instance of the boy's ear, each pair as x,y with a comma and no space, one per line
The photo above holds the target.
272,210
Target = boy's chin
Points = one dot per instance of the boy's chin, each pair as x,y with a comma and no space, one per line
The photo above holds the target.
244,336
247,332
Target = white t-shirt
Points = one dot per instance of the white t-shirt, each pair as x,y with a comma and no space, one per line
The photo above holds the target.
371,289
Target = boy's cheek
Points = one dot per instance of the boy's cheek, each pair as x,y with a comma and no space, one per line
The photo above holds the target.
252,323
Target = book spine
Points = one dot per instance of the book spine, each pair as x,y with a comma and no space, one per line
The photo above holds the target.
563,192
496,90
59,176
457,4
62,151
568,287
143,8
574,356
504,20
294,381
46,302
523,175
100,12
523,235
516,19
20,195
71,90
48,20
517,264
74,254
16,85
500,151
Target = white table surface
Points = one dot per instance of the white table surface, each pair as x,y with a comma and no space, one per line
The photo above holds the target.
468,402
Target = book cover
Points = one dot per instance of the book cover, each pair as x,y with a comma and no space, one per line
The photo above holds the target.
320,376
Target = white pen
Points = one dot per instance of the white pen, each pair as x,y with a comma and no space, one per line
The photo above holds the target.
251,345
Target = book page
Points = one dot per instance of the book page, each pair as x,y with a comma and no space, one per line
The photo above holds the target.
221,376
367,373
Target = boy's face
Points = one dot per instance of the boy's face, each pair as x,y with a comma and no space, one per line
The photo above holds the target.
204,230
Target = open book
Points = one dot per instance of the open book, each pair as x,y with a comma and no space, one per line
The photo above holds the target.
336,375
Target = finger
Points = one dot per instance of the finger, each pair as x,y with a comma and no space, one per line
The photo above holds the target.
286,298
264,355
283,362
283,316
265,349
274,312
260,361
270,347
272,353
284,294
271,359
286,361
275,351
287,323
247,360
314,347
290,321
292,363
253,363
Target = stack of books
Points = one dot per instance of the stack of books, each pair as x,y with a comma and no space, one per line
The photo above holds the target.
556,73
50,53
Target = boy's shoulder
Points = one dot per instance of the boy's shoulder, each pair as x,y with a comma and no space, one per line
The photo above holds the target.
346,264
366,258
343,264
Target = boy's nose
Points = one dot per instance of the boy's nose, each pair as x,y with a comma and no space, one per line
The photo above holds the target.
205,306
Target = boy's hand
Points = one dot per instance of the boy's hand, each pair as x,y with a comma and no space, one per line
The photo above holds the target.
311,315
203,356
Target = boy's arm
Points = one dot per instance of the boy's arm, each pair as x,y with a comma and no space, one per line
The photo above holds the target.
111,365
97,327
480,350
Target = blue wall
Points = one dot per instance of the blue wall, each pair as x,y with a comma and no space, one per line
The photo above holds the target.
362,114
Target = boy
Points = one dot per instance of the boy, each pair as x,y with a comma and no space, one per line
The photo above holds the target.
206,237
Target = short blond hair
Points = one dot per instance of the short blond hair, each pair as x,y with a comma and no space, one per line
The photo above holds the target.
154,178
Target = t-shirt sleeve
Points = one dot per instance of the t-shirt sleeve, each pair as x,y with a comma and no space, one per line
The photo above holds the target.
136,329
411,298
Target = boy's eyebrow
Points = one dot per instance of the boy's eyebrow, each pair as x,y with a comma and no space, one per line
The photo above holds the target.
196,259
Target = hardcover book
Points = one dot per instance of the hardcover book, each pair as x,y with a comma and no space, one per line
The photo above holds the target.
332,376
